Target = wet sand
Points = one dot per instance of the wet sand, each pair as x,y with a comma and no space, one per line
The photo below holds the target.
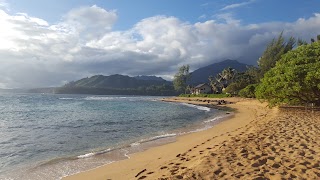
256,143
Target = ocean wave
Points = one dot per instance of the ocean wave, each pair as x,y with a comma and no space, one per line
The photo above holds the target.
121,98
214,119
108,98
66,98
218,118
93,154
198,107
159,137
86,155
97,98
135,144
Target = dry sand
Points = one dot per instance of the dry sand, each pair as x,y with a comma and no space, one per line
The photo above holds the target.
257,143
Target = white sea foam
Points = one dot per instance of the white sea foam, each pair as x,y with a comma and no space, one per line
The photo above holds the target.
162,136
198,107
98,98
86,155
66,98
200,129
134,144
214,119
92,154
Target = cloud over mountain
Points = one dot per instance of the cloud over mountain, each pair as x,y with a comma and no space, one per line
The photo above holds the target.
36,53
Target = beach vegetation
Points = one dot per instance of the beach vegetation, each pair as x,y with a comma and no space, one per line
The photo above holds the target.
248,91
273,52
181,78
222,95
295,79
242,80
222,80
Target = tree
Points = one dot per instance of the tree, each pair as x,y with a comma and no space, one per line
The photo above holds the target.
248,91
181,78
215,85
295,79
222,80
301,42
274,51
241,80
312,40
228,76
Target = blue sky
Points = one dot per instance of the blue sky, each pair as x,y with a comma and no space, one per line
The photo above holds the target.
48,43
249,11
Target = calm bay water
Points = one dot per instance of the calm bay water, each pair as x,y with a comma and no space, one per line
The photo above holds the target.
46,136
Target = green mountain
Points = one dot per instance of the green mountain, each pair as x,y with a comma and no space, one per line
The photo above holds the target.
116,81
201,75
155,78
142,85
119,85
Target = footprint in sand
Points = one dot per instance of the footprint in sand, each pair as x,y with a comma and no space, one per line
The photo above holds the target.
164,167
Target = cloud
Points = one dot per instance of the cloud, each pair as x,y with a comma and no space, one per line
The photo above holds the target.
4,5
91,22
203,16
35,53
237,5
227,18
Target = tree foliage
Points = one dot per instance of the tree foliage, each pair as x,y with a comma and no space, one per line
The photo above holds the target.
301,42
295,79
249,91
241,80
181,78
274,51
222,80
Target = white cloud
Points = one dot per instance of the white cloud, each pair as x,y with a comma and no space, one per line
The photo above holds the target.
203,16
4,5
34,53
227,18
91,22
237,5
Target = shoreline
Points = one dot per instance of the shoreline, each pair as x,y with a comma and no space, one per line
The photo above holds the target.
107,154
256,143
168,152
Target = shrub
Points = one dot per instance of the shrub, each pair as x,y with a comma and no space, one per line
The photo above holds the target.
249,91
295,80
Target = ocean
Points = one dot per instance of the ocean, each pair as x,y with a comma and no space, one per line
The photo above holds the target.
49,136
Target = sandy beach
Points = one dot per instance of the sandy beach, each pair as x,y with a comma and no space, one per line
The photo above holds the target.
255,143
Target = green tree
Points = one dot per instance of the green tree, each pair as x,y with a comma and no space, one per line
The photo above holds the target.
295,79
274,51
222,80
248,91
228,75
181,78
215,85
301,42
241,80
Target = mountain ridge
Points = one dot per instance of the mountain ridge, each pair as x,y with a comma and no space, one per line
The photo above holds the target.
202,74
118,81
